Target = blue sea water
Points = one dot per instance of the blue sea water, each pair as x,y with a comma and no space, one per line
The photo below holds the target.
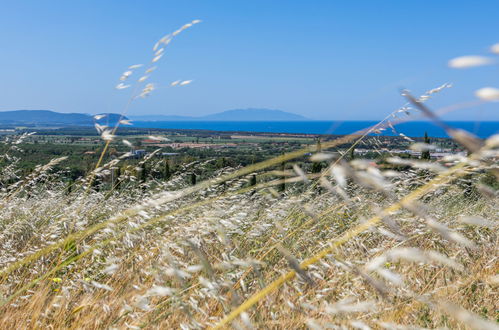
413,129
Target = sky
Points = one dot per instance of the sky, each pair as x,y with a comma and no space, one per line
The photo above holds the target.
326,60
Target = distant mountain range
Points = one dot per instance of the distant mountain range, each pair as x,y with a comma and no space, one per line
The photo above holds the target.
52,118
230,115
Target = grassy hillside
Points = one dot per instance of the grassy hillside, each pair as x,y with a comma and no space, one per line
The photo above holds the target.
352,245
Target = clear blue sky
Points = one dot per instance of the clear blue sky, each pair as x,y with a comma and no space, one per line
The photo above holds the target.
322,59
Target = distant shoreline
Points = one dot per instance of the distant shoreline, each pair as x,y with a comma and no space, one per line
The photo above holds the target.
413,129
289,128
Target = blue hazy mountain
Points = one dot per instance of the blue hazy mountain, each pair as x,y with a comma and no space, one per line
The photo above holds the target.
254,115
162,118
230,115
52,118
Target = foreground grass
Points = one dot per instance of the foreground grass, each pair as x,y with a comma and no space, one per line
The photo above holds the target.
162,255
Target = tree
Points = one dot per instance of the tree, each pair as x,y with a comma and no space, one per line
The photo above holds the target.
118,179
319,146
282,186
317,166
253,180
425,154
142,173
221,162
166,170
352,152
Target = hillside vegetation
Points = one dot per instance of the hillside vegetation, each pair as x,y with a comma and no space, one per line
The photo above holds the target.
354,245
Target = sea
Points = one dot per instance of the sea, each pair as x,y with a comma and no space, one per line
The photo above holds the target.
482,129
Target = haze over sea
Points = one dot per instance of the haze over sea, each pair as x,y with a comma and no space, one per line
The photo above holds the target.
414,129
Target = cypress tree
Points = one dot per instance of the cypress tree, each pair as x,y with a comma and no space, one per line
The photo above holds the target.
166,170
425,154
352,153
282,186
317,166
253,180
143,173
118,174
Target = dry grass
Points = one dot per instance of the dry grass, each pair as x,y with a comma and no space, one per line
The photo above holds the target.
188,257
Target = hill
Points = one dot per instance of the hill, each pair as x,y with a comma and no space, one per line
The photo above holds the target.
230,115
52,118
254,115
